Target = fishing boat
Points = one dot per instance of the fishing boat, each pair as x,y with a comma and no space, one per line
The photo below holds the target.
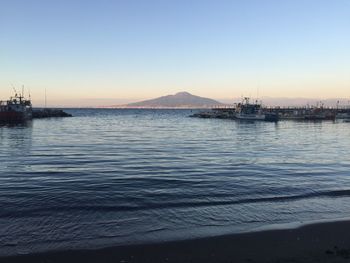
16,109
253,112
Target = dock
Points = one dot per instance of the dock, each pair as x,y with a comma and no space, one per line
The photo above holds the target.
283,113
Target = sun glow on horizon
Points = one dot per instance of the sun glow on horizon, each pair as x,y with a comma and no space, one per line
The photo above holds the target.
127,52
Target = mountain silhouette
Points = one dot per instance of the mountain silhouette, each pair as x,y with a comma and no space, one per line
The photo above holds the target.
179,100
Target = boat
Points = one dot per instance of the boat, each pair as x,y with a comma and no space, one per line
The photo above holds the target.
16,109
253,112
343,113
320,113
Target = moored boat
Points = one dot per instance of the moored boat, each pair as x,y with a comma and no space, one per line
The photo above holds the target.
253,111
16,109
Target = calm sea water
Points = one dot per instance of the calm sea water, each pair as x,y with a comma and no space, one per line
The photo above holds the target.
111,177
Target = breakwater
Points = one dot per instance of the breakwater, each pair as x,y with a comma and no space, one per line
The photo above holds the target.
283,113
49,113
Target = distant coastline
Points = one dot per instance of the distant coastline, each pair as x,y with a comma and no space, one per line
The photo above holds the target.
185,100
183,104
179,100
188,107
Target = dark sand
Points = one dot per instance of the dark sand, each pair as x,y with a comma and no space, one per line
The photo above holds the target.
323,242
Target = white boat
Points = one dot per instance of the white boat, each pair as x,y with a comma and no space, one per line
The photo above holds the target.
253,112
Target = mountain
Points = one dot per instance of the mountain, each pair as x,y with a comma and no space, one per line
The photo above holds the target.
179,100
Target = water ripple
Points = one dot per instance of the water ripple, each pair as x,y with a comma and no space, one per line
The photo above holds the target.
117,176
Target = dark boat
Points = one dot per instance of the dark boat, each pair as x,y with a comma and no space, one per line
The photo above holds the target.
320,113
16,109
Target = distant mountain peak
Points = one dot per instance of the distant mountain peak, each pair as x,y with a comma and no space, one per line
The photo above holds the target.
182,99
183,93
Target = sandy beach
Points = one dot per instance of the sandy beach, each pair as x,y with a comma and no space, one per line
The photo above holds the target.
321,242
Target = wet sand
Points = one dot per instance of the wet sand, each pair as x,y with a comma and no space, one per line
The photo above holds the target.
322,242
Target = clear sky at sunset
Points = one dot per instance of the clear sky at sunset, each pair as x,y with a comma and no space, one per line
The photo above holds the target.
80,50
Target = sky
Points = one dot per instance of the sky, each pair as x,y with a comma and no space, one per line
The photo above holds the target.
111,52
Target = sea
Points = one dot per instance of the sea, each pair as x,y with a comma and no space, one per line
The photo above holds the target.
110,177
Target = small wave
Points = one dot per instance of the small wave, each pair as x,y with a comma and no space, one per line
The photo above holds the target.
119,208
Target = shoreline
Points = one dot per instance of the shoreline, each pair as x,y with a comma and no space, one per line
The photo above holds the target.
317,242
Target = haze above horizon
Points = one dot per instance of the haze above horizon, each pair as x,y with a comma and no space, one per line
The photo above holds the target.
135,50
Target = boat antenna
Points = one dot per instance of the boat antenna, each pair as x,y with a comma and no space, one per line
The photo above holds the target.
45,97
258,86
14,89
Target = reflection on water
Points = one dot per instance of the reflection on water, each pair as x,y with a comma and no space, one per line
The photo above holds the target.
23,124
109,177
16,139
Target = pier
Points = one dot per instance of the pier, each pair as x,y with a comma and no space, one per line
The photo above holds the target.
283,113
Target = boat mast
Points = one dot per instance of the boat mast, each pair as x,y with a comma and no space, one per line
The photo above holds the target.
14,89
22,96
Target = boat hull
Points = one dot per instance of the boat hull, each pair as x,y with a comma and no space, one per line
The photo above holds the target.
258,117
13,117
250,117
